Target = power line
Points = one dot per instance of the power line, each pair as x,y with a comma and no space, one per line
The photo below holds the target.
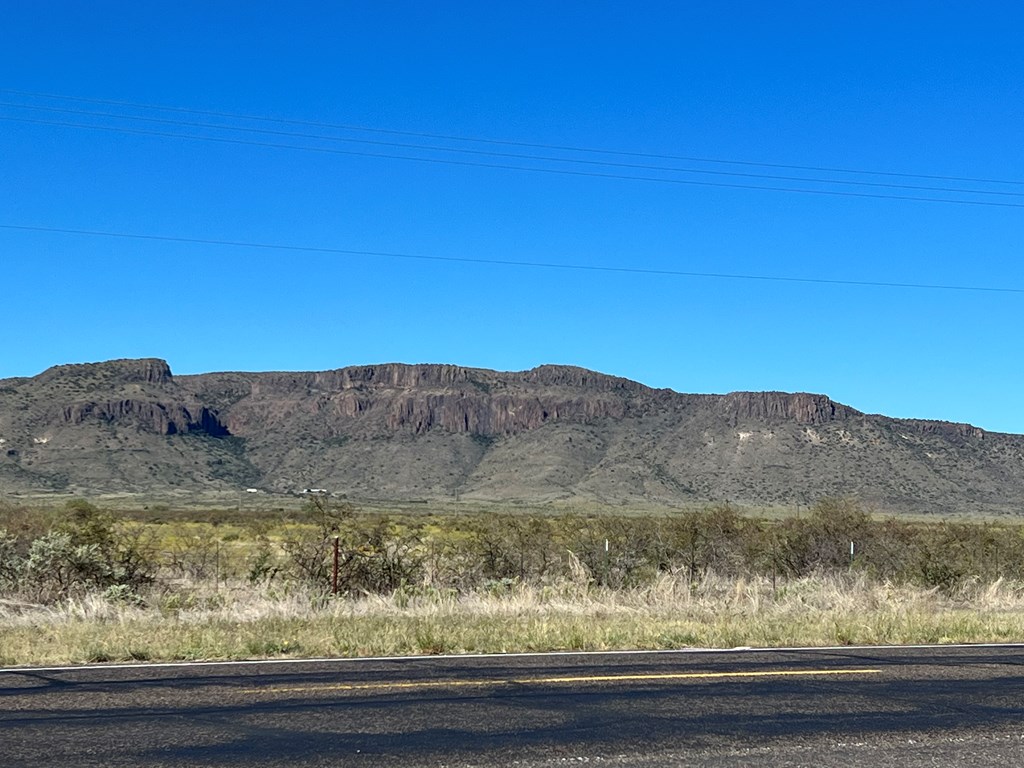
504,262
490,153
505,166
506,142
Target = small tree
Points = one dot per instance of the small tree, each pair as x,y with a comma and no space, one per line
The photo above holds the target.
310,552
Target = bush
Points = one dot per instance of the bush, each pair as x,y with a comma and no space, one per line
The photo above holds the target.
85,550
11,562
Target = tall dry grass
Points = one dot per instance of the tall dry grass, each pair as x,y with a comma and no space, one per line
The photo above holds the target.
239,620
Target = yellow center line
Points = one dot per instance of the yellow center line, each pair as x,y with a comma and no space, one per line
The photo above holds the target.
484,683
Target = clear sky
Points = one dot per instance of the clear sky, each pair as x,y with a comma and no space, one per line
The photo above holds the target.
926,89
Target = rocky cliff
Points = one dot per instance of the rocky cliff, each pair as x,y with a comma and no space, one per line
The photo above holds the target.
161,418
398,431
781,407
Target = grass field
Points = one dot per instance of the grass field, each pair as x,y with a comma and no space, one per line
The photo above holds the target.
81,583
239,622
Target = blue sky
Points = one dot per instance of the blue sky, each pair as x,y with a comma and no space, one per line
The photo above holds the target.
932,89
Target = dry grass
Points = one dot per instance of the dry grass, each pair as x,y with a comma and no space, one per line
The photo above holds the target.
239,621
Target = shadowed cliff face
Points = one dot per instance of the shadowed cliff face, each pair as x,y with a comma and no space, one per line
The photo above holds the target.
161,418
398,431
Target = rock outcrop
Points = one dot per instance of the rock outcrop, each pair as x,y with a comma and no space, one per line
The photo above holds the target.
147,371
425,431
161,418
495,415
945,428
779,407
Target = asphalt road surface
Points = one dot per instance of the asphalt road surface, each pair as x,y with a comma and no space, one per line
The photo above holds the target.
948,706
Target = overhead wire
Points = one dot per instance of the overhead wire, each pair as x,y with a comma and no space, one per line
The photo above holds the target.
504,262
505,166
506,142
487,153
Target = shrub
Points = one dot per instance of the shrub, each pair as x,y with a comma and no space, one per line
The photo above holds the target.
11,562
84,550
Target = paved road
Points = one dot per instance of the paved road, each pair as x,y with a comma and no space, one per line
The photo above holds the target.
841,707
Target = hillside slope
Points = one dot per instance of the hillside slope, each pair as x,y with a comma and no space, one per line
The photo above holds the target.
436,431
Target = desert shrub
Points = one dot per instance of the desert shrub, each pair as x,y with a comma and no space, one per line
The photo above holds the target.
57,567
891,552
309,544
945,555
833,524
191,555
717,539
379,558
85,549
261,565
821,540
25,523
449,557
510,547
88,524
11,562
616,552
135,555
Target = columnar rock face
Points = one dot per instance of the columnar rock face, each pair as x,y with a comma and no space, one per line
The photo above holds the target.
155,417
397,431
492,416
426,398
799,408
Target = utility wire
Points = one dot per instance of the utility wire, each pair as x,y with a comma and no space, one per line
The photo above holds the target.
505,262
504,166
491,153
505,142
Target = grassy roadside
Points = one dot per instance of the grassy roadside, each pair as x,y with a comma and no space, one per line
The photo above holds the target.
239,621
81,584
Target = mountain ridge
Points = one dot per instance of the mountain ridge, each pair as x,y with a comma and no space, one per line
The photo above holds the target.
436,431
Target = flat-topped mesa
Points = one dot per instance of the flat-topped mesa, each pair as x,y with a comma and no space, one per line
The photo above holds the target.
800,407
395,432
438,376
386,376
398,376
149,370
